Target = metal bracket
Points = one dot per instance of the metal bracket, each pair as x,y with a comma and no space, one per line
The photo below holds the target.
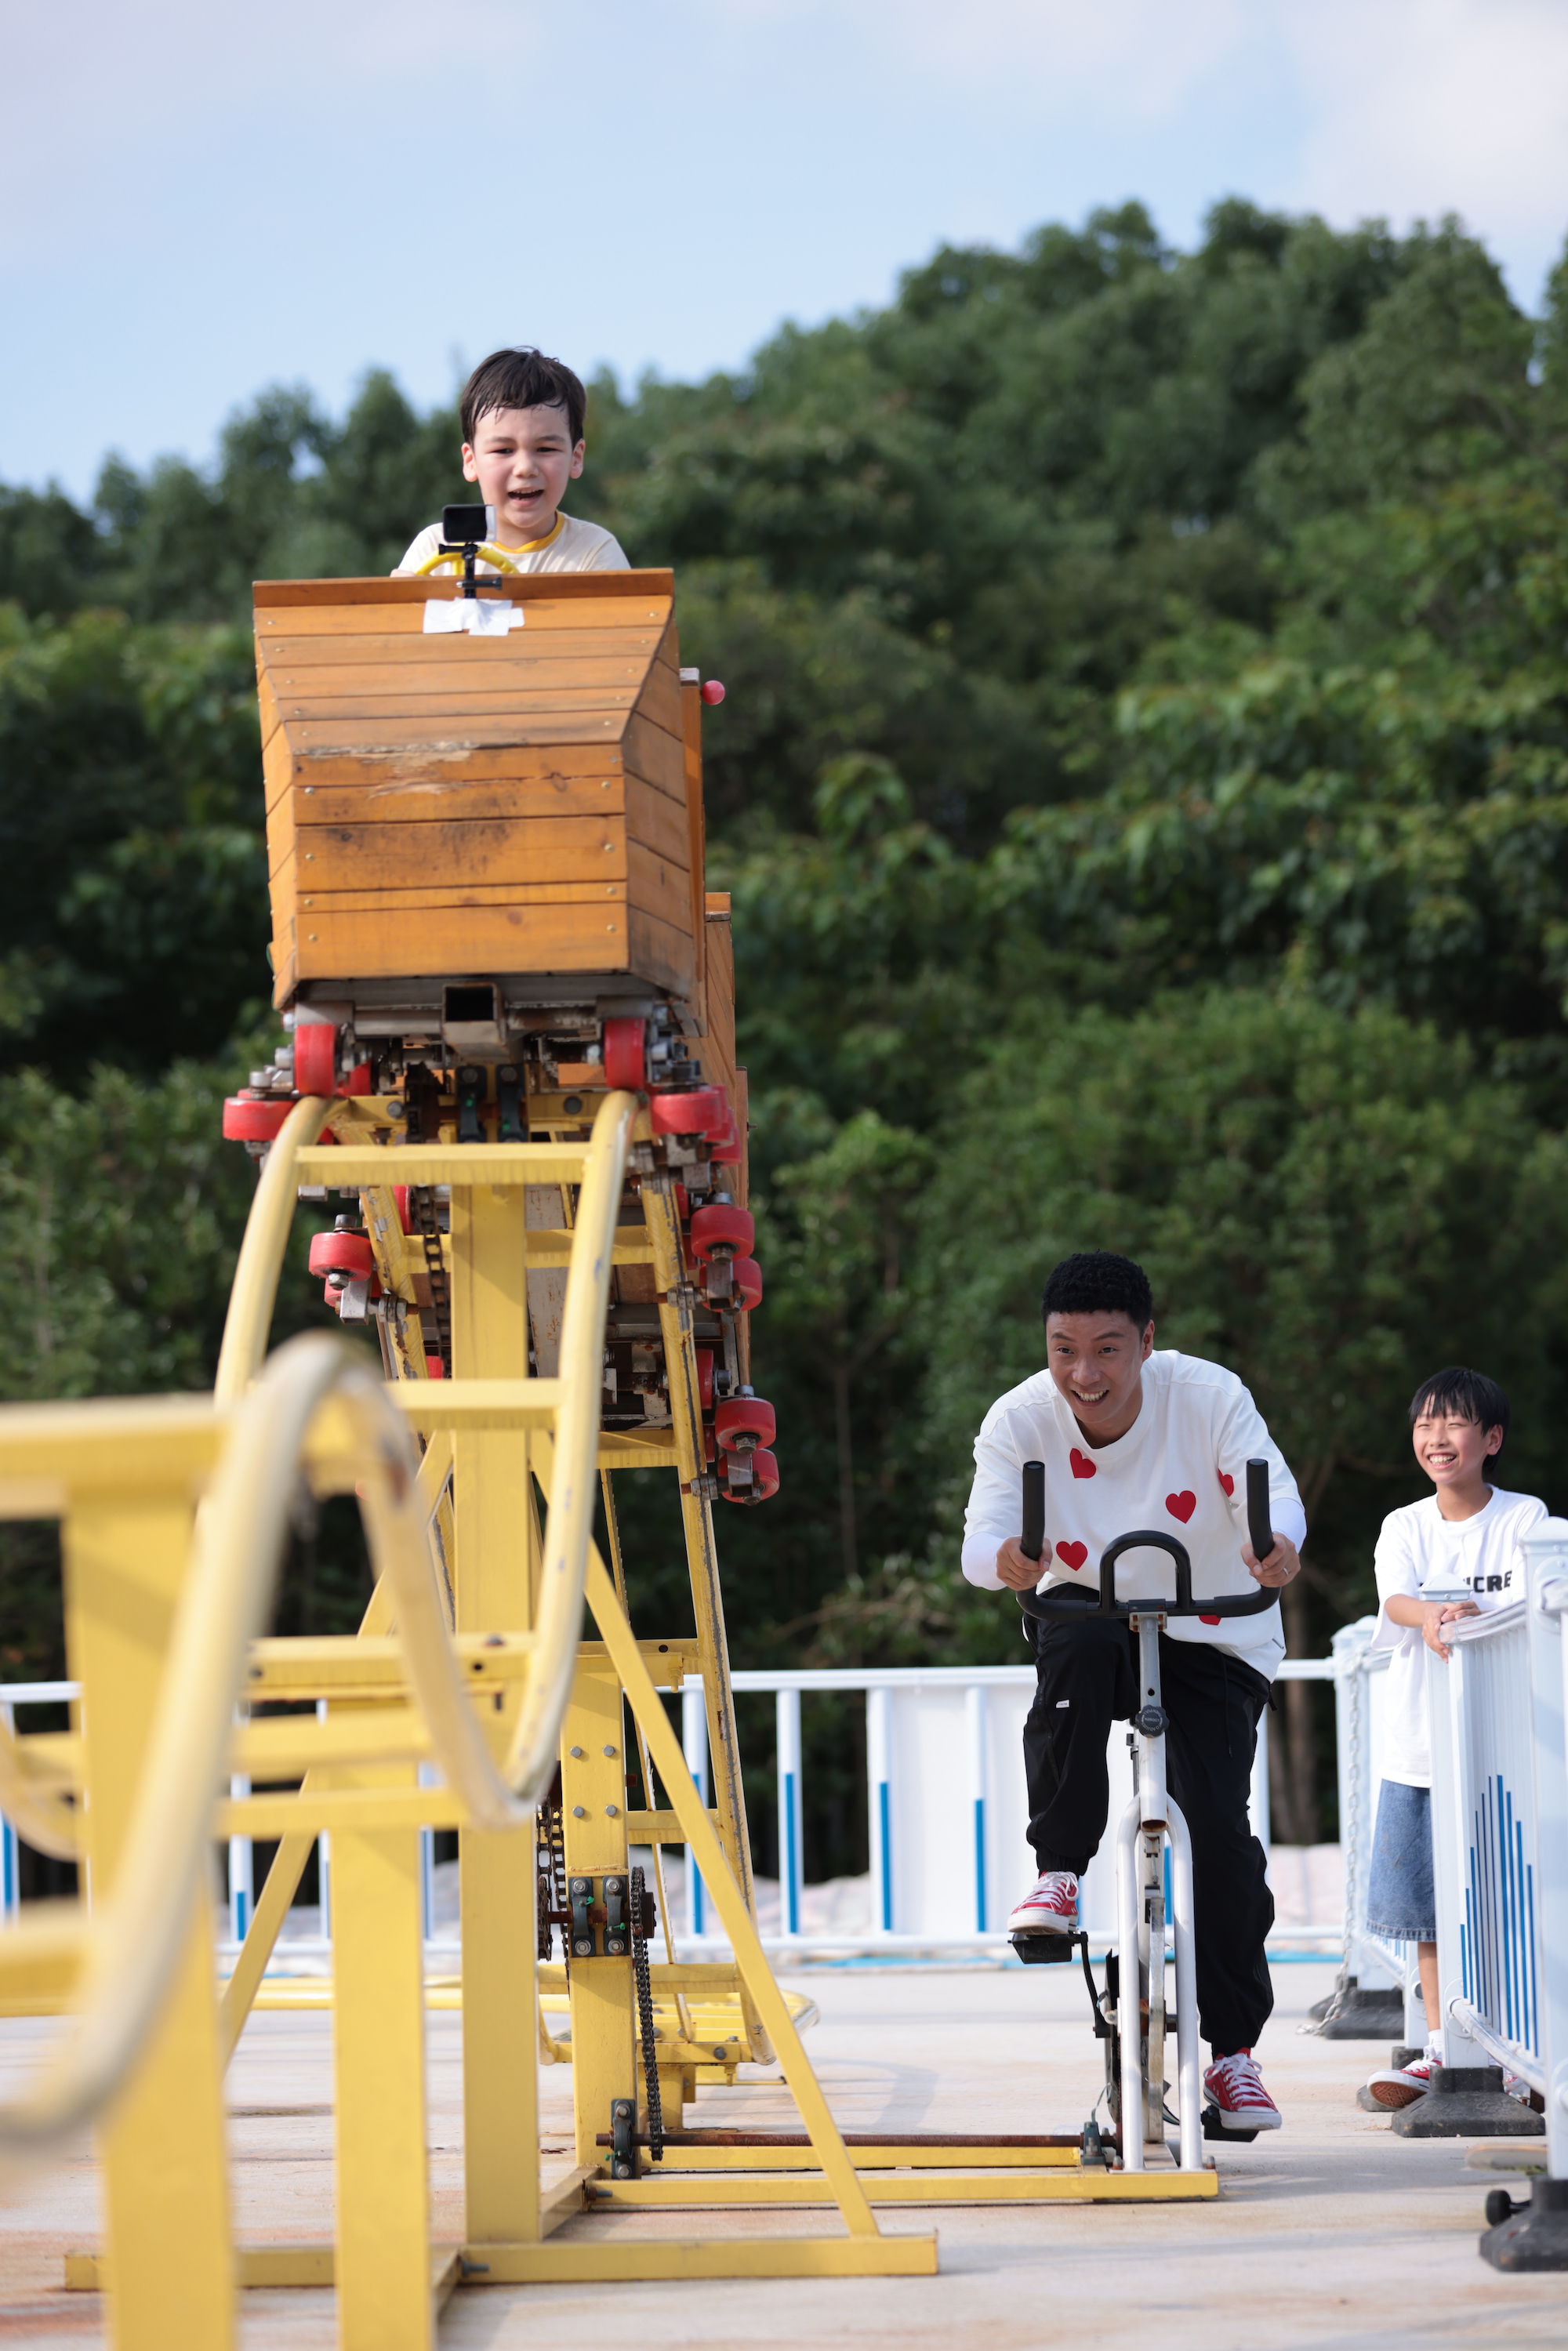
509,1097
622,2138
579,1895
617,1933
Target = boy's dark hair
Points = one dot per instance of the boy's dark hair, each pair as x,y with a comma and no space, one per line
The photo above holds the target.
1470,1394
521,377
1098,1281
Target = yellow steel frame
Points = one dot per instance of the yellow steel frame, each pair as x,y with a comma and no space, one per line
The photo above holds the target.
471,1657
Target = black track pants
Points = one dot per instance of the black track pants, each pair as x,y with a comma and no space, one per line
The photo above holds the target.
1088,1678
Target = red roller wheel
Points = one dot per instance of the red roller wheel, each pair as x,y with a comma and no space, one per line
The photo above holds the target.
399,1194
252,1121
742,1423
682,1203
348,1253
705,1378
358,1080
696,1110
316,1058
722,1232
764,1480
434,1369
746,1276
624,1049
727,1150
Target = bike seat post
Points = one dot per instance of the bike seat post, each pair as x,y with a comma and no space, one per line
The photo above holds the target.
1149,1720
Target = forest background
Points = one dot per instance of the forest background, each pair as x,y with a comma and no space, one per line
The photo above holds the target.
1142,787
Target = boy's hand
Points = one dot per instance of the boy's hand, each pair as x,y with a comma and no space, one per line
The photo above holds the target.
1016,1570
1438,1613
1282,1563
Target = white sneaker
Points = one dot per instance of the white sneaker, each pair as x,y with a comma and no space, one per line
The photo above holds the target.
1049,1907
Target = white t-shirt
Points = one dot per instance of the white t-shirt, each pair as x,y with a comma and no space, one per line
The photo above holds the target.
572,546
1182,1467
1423,1555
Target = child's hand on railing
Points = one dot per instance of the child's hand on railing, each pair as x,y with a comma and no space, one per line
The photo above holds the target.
1438,1613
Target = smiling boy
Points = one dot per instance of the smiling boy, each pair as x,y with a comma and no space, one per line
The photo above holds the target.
1134,1438
522,443
1464,1536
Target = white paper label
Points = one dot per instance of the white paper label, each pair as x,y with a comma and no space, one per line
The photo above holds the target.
475,616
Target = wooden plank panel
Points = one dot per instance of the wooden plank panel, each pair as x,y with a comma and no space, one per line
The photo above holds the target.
276,766
458,939
655,821
661,953
463,849
661,888
395,589
407,619
442,715
267,706
641,642
455,734
330,690
660,699
691,707
718,973
657,755
321,905
279,831
423,798
545,763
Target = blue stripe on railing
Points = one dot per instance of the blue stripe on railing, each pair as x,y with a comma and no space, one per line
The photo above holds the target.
884,1815
979,1865
791,1869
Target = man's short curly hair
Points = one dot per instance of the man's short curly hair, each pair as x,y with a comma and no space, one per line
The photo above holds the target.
1098,1281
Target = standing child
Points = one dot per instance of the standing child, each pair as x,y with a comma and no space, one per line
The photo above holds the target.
1465,1534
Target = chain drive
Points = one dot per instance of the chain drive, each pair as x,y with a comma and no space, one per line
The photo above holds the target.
645,2021
426,1220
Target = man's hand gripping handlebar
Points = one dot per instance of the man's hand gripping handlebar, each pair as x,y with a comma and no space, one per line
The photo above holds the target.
1073,1604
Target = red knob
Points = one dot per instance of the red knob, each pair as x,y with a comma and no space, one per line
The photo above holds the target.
722,1232
764,1480
348,1253
623,1055
747,1418
746,1276
712,691
696,1110
316,1058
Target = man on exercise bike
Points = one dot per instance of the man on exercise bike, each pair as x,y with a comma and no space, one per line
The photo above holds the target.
1134,1439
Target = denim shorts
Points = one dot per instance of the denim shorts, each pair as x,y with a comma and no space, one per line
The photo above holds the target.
1400,1902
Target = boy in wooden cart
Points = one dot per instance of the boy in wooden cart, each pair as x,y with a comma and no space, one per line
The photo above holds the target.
522,417
1131,1438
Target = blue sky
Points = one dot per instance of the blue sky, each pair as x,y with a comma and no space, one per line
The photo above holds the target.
198,199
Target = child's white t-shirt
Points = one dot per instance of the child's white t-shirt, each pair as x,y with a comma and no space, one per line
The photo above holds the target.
572,546
1181,1467
1422,1555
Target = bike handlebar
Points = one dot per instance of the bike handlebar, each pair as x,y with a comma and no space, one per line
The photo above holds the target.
1074,1604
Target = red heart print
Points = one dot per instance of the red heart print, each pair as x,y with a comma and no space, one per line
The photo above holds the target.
1228,1484
1208,1620
1181,1505
1073,1553
1081,1465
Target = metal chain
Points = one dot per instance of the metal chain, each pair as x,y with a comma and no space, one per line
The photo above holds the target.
550,1848
645,2022
426,1222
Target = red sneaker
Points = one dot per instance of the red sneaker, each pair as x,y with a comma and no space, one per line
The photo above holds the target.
1049,1907
1237,2089
1401,2085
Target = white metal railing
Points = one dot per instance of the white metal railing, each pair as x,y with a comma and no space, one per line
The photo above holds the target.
948,1848
1376,1963
1546,1555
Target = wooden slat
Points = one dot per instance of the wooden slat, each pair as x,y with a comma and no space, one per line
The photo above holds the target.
459,849
330,691
317,906
280,832
655,821
454,734
394,589
566,643
407,620
660,887
655,755
661,953
547,763
691,708
438,714
465,939
660,699
428,799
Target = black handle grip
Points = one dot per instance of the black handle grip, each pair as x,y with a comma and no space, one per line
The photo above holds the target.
1032,1540
1260,1531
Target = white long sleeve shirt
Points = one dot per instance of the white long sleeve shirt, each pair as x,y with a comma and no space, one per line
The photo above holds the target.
1181,1467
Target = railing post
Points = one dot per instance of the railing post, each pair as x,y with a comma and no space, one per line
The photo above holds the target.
791,1861
693,1742
1451,1873
1546,1554
10,1857
241,1870
879,1803
974,1745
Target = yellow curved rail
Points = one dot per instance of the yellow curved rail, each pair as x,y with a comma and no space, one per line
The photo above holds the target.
490,555
131,1940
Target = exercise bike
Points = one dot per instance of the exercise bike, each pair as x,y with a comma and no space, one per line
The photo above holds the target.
1135,2058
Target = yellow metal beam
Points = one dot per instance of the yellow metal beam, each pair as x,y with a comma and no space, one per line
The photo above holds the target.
590,2260
463,1166
1042,2186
